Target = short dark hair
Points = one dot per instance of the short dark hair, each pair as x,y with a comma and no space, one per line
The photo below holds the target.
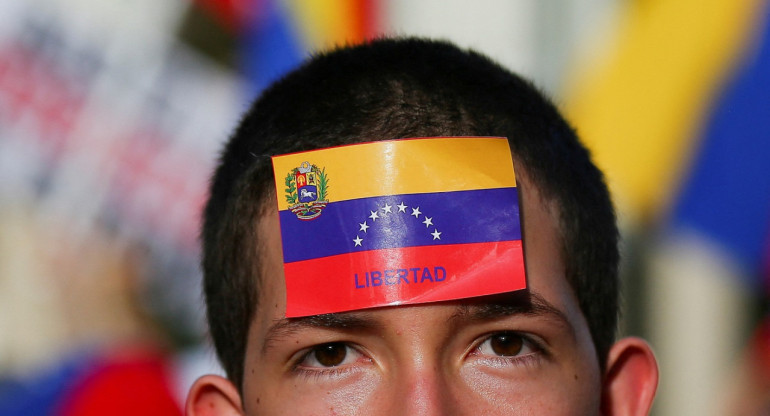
390,89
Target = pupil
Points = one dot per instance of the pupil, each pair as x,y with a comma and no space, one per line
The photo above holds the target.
331,355
506,344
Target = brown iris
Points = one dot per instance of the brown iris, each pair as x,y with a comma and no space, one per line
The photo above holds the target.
506,343
330,355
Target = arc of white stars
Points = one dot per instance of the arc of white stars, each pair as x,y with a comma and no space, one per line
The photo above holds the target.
388,209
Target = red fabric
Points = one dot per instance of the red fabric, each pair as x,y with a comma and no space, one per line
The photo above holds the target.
226,12
125,383
760,348
367,22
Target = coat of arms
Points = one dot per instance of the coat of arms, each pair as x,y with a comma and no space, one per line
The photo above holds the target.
306,191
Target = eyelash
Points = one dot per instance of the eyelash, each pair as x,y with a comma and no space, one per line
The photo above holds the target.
318,372
527,359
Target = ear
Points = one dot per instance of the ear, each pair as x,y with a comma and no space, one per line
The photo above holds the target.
213,396
630,380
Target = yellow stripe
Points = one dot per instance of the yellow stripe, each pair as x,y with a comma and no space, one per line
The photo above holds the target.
640,109
405,167
324,23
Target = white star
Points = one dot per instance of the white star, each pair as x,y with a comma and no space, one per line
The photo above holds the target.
364,226
436,234
416,212
374,215
401,207
386,209
358,241
428,222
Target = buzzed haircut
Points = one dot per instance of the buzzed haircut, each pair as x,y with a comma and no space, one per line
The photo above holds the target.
391,89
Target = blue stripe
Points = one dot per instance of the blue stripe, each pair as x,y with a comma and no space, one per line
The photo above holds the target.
461,217
271,46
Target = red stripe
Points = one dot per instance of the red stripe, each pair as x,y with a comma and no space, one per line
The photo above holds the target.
224,11
369,18
329,284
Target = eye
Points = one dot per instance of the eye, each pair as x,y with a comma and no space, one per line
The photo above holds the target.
507,344
330,355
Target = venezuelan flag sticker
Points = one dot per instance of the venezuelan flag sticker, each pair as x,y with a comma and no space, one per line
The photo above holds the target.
398,222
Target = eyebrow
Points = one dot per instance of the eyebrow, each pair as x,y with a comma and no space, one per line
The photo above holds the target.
523,303
339,321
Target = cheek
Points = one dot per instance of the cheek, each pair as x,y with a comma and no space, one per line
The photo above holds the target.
299,395
553,391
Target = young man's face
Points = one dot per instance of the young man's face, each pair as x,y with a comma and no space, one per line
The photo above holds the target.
522,353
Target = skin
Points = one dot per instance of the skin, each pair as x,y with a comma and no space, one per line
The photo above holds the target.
445,358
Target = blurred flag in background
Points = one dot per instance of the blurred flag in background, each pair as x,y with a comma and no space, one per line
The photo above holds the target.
678,116
276,35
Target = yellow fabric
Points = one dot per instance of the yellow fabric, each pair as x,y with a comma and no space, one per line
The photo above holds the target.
325,23
640,109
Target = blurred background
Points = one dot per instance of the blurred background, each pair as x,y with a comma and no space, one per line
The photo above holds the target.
112,114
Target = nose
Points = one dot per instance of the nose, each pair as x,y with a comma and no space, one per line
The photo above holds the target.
424,392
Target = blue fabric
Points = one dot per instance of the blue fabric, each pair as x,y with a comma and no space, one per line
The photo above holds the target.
727,194
272,45
41,394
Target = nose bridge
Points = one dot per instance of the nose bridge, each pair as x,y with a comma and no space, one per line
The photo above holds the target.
423,388
422,376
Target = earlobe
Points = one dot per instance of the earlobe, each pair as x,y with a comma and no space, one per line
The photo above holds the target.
213,396
631,378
